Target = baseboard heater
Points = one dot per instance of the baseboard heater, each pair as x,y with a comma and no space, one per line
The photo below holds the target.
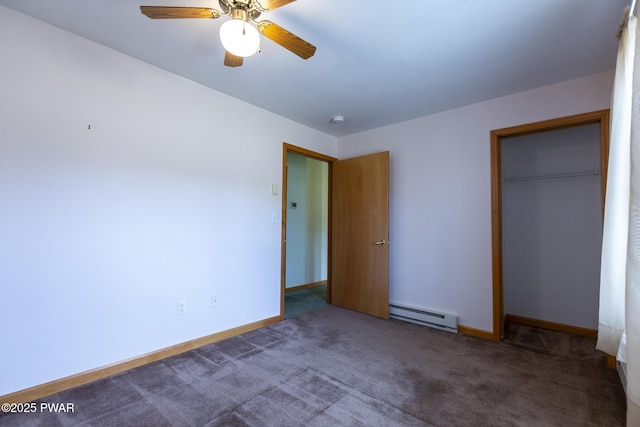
433,319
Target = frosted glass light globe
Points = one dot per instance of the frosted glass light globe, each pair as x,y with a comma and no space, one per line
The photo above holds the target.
239,37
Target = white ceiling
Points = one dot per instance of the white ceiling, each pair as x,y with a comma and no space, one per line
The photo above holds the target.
376,62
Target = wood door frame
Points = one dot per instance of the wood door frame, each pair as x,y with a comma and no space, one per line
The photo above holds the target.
288,148
600,117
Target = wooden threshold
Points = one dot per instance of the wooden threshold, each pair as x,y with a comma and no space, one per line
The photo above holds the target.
465,330
308,285
56,386
570,329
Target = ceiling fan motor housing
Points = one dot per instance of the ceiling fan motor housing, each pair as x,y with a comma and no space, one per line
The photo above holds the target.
253,9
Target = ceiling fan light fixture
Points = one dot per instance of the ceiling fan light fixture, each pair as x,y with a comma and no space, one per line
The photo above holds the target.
239,37
242,34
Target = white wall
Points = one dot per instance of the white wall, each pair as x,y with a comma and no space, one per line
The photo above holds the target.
441,195
166,197
552,228
296,220
307,223
318,212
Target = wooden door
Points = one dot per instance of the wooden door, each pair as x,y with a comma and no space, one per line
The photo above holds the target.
360,234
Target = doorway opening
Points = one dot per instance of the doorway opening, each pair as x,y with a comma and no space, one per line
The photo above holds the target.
306,188
498,143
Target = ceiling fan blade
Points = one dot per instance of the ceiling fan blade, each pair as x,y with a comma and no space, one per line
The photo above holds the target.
284,38
274,4
231,60
170,12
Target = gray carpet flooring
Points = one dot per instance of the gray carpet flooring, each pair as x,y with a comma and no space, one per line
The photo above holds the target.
304,300
333,367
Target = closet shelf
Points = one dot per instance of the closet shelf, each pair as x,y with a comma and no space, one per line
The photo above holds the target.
574,174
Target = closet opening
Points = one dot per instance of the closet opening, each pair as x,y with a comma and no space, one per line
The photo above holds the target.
548,182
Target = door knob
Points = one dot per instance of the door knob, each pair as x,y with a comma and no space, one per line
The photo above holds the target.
381,242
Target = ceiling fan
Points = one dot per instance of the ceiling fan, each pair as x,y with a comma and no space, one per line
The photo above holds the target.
240,36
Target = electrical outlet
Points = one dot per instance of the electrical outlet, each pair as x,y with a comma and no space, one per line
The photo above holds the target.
182,307
214,301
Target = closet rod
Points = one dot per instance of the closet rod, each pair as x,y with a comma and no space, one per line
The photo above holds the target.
575,174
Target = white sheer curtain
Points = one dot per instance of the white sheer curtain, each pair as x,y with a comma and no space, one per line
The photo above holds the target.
631,338
619,321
